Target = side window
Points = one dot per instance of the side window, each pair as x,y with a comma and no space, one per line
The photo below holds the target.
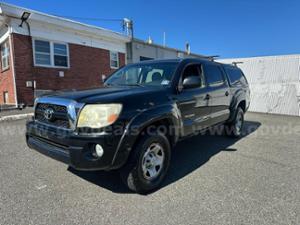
194,70
235,75
114,60
5,55
60,55
214,76
42,53
50,54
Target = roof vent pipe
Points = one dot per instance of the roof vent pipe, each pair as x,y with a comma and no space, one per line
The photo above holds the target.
188,48
149,41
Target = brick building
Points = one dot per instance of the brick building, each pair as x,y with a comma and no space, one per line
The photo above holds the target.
48,53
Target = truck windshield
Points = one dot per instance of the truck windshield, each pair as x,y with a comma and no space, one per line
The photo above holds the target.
149,74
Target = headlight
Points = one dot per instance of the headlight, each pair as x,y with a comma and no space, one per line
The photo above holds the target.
97,116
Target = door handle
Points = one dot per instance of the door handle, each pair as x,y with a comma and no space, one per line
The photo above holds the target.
226,93
207,97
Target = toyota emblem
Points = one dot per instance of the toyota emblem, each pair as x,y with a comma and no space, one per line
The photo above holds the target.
48,114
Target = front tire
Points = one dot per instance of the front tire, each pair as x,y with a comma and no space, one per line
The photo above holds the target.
235,128
148,163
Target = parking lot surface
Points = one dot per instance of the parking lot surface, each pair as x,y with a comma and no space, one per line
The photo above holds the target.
212,180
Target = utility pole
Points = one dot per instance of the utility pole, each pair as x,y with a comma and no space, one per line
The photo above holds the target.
128,28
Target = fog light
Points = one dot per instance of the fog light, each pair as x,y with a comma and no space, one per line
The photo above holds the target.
99,150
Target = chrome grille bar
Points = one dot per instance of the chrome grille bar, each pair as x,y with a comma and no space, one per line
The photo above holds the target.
72,106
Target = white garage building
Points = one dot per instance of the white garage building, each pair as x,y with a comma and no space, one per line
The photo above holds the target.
274,83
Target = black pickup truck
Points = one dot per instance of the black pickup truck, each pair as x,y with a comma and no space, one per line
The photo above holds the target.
134,121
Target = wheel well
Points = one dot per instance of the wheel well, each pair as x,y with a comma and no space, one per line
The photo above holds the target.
165,126
242,104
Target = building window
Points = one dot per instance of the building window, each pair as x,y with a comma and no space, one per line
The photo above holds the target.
60,55
114,60
52,54
42,53
5,97
5,55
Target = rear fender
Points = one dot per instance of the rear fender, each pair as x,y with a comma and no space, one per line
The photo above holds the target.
237,98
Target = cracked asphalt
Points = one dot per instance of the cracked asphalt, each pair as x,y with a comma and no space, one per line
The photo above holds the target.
212,180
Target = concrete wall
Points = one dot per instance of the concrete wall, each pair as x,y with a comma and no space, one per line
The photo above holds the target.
274,83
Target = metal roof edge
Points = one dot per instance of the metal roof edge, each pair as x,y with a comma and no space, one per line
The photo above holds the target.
16,11
165,47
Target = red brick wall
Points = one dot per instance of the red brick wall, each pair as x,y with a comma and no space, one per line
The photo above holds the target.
87,65
7,81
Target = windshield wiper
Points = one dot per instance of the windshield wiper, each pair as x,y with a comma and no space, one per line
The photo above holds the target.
108,85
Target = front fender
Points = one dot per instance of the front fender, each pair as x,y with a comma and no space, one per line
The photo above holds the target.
138,123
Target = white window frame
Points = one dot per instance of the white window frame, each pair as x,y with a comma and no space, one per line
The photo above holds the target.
7,53
52,65
110,59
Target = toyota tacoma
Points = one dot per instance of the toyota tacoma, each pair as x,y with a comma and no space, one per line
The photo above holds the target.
134,121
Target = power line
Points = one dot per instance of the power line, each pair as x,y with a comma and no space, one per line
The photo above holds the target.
90,18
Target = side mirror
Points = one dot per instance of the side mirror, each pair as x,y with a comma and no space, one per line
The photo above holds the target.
191,82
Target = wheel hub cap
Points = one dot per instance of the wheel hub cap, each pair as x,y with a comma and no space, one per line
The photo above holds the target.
153,160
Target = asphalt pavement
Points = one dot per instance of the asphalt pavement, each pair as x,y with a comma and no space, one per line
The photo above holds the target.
212,180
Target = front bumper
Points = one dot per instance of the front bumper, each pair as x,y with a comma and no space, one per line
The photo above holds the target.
76,150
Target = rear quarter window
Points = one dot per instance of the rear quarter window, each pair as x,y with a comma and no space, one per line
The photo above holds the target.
235,75
213,75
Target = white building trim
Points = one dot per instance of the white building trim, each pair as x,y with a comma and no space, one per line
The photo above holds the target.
64,30
13,68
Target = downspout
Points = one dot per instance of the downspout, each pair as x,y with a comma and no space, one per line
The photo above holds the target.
12,52
28,28
33,80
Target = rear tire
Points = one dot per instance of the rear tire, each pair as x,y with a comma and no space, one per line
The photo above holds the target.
235,128
148,163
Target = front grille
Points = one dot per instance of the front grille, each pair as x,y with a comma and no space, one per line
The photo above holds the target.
56,108
59,117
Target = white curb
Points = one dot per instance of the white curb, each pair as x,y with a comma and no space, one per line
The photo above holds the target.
16,117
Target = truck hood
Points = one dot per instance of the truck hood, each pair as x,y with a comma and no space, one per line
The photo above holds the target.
114,94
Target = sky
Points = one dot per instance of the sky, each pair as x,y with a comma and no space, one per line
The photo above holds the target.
228,28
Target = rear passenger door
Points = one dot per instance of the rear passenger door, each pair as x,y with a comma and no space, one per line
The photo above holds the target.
192,103
219,93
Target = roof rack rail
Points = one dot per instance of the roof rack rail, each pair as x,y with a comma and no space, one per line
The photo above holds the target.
211,57
236,63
